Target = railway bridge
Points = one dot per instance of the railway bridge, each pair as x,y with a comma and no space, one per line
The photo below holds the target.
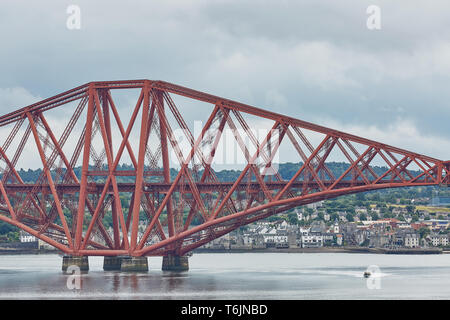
170,200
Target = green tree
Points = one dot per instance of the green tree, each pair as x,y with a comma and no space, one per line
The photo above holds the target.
388,215
6,228
360,197
292,218
320,215
410,209
334,217
13,236
423,232
365,243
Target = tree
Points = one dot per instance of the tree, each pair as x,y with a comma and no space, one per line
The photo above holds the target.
360,197
6,228
365,243
334,217
388,215
381,205
423,232
274,218
292,218
320,215
302,223
410,209
391,198
13,236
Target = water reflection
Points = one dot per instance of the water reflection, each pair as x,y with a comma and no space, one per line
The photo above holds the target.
116,282
235,276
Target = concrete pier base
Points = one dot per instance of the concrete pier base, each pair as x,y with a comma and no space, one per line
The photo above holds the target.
112,263
134,264
81,262
175,263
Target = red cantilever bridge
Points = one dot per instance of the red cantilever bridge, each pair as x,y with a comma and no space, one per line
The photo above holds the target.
153,207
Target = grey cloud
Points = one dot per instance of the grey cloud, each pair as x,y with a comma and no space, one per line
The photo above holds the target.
314,60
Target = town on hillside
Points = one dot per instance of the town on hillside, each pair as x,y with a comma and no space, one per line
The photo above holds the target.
330,224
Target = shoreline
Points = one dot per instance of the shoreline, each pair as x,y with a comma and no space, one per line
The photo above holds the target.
422,251
328,250
9,251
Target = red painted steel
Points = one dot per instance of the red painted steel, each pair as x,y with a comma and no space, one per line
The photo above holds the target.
153,205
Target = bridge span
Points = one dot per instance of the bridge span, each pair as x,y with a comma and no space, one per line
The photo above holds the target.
171,201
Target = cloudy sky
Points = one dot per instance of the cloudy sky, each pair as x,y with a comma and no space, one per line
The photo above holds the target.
314,60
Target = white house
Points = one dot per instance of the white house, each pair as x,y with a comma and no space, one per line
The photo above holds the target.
359,210
439,240
272,236
339,239
412,240
26,237
299,215
304,231
312,241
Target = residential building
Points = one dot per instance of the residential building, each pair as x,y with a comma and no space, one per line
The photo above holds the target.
412,240
26,237
339,239
439,239
312,241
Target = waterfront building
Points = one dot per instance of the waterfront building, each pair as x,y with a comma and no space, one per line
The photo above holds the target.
304,230
439,239
312,241
339,239
378,240
318,227
328,239
26,237
412,240
45,245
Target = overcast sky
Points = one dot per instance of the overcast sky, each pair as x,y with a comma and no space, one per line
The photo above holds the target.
313,60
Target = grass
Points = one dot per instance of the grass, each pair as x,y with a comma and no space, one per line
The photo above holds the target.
421,207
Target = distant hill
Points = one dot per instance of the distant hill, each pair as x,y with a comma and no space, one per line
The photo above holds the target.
286,170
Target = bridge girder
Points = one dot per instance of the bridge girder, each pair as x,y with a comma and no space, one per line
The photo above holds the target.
156,207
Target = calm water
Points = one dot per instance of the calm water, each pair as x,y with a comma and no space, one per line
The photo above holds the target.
237,276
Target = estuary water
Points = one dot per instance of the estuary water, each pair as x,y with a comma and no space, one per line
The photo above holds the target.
238,276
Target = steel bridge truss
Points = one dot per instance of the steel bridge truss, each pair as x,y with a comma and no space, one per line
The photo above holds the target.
159,210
